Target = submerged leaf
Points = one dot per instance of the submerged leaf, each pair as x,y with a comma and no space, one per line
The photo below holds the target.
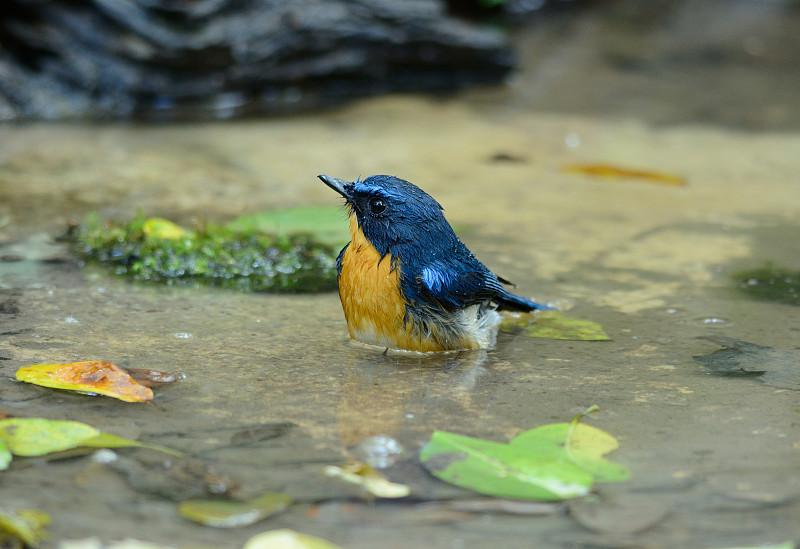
287,539
102,378
27,525
554,325
368,478
616,172
233,514
774,367
623,515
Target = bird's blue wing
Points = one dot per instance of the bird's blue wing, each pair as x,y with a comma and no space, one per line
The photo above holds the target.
456,285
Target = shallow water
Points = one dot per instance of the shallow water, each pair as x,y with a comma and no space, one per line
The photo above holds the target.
274,390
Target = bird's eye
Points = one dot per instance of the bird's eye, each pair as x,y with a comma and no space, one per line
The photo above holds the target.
377,205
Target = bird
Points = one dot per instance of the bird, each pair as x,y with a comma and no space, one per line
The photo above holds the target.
406,281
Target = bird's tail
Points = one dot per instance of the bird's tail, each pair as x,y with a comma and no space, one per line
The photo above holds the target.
510,302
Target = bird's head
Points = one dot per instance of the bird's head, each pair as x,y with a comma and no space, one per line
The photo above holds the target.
390,210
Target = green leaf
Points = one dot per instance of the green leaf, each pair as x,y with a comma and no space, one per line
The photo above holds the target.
108,440
581,444
287,539
158,227
5,455
26,525
38,436
233,514
554,325
326,223
551,462
503,470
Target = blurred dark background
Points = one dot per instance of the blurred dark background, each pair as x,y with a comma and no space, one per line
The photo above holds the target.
731,61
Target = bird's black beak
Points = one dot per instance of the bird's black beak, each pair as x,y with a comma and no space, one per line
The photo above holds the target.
344,188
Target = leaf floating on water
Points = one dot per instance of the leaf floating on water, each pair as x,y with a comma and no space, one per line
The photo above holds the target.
581,444
32,437
287,539
549,463
158,227
325,223
233,514
102,378
608,171
26,525
498,469
554,325
372,481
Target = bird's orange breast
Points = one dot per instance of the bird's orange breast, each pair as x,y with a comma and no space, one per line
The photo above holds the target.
373,303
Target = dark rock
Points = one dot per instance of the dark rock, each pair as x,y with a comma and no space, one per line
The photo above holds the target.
775,367
220,58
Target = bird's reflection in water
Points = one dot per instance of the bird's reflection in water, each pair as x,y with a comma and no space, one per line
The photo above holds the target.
408,397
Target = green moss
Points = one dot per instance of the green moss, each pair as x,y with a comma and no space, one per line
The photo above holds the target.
210,256
771,283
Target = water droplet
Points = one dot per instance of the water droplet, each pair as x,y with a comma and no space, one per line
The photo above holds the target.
104,456
714,322
573,140
379,451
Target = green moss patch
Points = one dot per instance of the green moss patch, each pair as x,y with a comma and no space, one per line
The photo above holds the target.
770,283
155,250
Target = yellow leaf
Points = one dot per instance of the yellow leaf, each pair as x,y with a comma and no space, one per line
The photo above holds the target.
102,378
615,172
26,525
233,514
158,227
368,478
287,539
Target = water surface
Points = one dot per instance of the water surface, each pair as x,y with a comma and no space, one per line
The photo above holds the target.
274,390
